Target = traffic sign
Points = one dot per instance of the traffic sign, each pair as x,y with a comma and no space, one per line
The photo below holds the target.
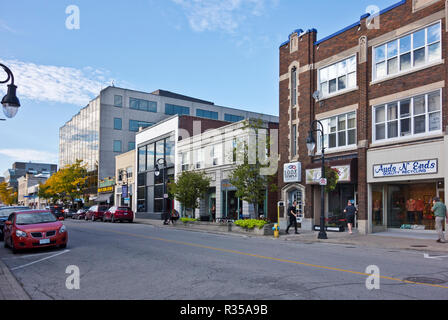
323,182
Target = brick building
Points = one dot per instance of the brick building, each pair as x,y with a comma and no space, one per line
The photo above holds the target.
382,101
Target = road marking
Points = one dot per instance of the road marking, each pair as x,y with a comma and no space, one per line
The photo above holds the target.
267,258
40,260
427,256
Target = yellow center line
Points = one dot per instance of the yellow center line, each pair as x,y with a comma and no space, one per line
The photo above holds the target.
266,258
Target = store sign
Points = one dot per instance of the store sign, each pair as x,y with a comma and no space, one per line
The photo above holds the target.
405,168
227,186
106,189
292,172
313,175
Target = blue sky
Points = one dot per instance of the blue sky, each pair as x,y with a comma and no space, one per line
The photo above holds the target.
225,51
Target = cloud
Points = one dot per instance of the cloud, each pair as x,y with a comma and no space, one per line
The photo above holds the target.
29,155
56,84
5,27
225,15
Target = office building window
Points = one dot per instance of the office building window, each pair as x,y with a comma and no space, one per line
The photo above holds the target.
143,105
134,125
172,109
232,118
207,114
338,77
142,159
411,51
294,140
415,116
117,124
118,101
131,146
117,146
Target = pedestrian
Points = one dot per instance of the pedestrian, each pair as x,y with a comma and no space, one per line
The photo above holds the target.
174,216
213,213
292,213
439,210
350,212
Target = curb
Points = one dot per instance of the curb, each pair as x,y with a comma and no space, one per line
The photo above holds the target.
10,288
356,240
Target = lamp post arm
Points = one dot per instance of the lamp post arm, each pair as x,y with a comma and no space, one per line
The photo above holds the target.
8,73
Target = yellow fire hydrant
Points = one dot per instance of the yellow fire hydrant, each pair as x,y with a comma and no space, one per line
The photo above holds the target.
276,229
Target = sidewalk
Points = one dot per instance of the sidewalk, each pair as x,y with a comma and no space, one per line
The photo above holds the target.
10,289
386,240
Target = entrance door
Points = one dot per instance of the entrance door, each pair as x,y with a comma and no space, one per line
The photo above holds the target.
378,212
296,195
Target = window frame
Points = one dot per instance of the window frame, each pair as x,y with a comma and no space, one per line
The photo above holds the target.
338,76
121,146
121,124
412,117
121,103
412,50
337,132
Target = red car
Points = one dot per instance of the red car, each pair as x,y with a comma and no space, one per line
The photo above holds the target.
119,214
34,229
96,213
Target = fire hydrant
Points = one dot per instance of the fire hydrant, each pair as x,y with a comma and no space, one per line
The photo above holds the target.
276,229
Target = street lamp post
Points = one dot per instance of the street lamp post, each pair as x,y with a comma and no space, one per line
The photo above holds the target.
311,145
162,162
10,102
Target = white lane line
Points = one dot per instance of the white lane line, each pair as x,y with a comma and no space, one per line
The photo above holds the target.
40,260
28,256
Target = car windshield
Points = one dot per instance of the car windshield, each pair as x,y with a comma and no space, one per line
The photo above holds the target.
102,208
8,211
35,218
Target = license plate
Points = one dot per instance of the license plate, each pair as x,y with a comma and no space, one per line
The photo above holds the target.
125,213
44,241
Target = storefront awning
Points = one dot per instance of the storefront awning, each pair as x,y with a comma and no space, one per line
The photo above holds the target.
104,197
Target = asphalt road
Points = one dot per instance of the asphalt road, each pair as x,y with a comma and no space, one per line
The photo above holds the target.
135,261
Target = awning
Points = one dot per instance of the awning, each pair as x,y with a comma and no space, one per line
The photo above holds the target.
104,197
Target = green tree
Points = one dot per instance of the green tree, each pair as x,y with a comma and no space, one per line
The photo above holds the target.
189,188
251,177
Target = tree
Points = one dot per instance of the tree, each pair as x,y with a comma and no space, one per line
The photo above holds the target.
250,176
189,188
7,195
66,185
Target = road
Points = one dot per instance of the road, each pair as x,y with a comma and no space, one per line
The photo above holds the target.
136,261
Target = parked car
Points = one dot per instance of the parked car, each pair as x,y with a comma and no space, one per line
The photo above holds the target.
96,213
4,214
119,214
68,213
80,214
34,229
58,211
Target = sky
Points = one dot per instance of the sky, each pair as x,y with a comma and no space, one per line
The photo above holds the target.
225,51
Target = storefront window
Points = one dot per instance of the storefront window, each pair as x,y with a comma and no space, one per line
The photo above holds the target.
410,206
377,205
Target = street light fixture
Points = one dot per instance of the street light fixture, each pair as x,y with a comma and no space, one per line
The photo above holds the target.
311,145
10,102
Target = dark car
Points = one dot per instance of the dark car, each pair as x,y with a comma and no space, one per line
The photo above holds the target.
119,214
58,211
96,213
68,212
4,214
80,214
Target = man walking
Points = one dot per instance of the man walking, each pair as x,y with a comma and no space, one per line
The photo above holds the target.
292,213
439,210
350,212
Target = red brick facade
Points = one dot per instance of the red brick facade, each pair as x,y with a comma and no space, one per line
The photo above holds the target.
311,55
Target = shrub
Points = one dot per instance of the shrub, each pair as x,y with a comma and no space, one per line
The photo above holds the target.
251,223
188,219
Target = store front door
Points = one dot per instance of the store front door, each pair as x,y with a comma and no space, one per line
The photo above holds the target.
378,209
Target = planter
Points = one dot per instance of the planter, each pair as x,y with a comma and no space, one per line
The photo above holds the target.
265,231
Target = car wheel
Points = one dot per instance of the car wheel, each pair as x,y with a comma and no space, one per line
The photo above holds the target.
63,246
14,250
